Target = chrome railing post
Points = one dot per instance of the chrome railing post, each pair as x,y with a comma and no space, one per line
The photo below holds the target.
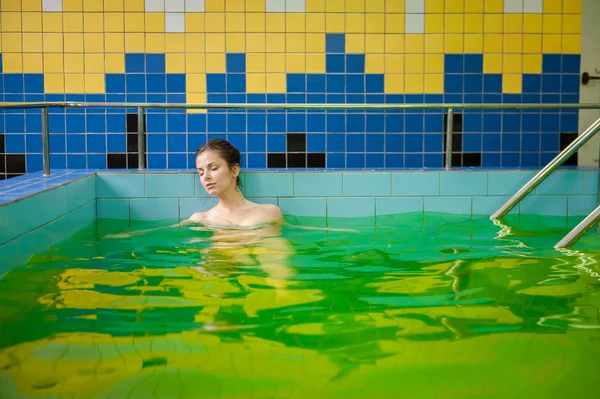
141,141
449,133
580,230
45,142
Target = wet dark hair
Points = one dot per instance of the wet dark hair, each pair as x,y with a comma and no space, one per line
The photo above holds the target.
229,153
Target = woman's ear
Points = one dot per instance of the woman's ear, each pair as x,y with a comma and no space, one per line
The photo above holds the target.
236,170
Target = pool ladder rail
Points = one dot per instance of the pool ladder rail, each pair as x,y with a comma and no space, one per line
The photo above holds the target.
586,224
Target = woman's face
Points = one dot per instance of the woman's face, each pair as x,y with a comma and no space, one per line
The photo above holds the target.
215,175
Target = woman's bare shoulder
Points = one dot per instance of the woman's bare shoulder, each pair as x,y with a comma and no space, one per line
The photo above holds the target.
270,212
198,217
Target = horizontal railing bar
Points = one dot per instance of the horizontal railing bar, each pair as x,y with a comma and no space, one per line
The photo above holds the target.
290,106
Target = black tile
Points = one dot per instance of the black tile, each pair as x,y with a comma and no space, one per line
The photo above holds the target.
315,160
11,175
457,160
2,176
15,163
471,159
132,142
457,139
2,163
276,160
296,142
2,146
132,123
457,123
296,160
565,140
132,161
116,161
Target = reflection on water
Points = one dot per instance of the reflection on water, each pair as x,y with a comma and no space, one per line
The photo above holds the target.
414,308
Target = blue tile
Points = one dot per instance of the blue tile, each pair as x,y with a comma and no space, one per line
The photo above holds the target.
433,143
394,160
356,123
395,206
354,161
355,142
374,84
269,185
472,123
13,83
511,123
257,161
486,205
236,62
34,83
530,142
157,161
590,182
315,142
156,123
309,207
14,123
473,83
176,83
453,83
120,185
550,123
155,63
355,63
355,84
216,83
471,142
57,143
473,63
296,123
157,142
551,84
336,83
335,63
336,123
15,143
96,161
95,123
551,63
257,142
75,143
134,63
135,83
550,142
340,207
454,63
276,123
492,83
156,83
415,184
463,183
176,123
571,63
336,160
33,162
569,122
508,182
375,161
276,142
532,83
375,142
217,123
238,141
257,123
296,83
511,159
452,205
413,142
375,123
511,142
563,183
176,142
335,43
76,161
490,159
197,123
315,83
236,83
531,123
570,84
75,123
394,123
547,205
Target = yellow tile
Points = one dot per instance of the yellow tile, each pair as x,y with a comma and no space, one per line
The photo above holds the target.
434,63
93,5
12,62
315,6
494,6
235,22
73,22
53,22
355,43
315,63
335,23
255,5
32,42
375,23
532,63
295,43
93,22
134,5
175,42
571,23
355,23
315,23
135,43
552,23
493,23
394,23
54,83
32,63
474,23
376,6
394,63
532,23
552,44
454,23
72,5
214,5
255,22
513,23
155,43
473,44
175,63
114,63
434,6
434,23
256,42
295,22
454,43
295,63
434,84
275,22
31,22
414,83
94,63
414,43
93,42
474,6
374,43
155,22
94,83
30,5
134,22
11,21
53,42
276,83
512,83
196,98
553,6
275,62
434,43
215,42
114,22
12,42
8,5
394,84
74,83
276,43
194,22
355,6
532,43
215,22
315,43
572,6
73,63
374,63
512,63
195,82
455,6
74,42
256,62
394,44
415,63
571,44
215,63
513,43
394,6
235,6
492,63
114,42
335,6
235,42
195,63
492,43
113,5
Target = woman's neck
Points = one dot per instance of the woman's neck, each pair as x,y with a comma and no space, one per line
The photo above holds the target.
231,199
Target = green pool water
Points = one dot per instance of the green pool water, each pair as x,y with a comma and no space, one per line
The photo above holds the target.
415,306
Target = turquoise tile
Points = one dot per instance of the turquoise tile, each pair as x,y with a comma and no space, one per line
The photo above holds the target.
316,207
318,184
544,205
153,209
199,190
507,183
9,257
340,207
20,217
454,205
367,184
169,185
189,206
486,205
415,184
581,205
561,183
463,183
264,200
269,185
79,193
120,185
113,208
33,243
395,205
590,182
57,197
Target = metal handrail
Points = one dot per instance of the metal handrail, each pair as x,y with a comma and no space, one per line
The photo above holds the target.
580,230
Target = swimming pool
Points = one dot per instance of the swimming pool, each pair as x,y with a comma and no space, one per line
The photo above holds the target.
425,297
